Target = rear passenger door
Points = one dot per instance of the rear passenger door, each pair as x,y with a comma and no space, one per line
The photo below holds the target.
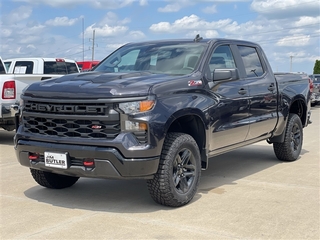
262,91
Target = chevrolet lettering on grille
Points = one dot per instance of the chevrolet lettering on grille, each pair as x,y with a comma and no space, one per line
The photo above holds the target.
64,108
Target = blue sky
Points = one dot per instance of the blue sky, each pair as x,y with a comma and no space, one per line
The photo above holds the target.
288,30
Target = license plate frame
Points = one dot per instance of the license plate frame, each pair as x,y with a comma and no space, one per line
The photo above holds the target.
56,160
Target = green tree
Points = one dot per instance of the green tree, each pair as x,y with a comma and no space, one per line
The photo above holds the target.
316,69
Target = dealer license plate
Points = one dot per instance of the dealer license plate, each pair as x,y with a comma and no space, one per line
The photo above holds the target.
56,160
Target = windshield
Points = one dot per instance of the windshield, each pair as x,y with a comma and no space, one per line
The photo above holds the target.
175,59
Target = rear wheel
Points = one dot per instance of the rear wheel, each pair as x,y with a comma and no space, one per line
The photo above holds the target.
178,175
52,180
290,149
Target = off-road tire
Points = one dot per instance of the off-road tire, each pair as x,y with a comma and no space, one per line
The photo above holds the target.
52,180
177,179
290,149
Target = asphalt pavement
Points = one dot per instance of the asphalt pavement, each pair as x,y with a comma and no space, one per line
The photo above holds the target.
245,194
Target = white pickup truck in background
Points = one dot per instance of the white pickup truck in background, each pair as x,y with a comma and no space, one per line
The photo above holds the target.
16,74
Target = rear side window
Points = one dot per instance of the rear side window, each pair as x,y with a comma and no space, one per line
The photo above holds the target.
24,67
7,65
59,68
71,67
2,70
251,61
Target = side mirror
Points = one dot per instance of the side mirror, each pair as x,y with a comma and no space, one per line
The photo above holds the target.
225,74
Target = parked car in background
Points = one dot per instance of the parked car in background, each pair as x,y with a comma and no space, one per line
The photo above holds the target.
87,65
315,97
18,73
46,66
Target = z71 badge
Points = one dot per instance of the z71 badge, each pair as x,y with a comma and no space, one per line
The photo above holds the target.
194,83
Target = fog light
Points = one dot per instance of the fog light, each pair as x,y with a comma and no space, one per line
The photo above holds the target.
135,126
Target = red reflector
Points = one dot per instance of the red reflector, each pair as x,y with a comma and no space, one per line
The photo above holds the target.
33,156
89,163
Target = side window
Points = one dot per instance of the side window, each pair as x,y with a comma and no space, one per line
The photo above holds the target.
80,65
251,61
71,67
2,68
7,65
221,58
23,67
128,61
55,68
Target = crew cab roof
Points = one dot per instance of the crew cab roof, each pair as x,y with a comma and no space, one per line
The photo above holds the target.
39,58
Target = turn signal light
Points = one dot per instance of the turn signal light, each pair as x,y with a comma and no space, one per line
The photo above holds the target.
146,105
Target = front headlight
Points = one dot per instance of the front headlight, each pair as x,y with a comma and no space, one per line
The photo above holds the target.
136,107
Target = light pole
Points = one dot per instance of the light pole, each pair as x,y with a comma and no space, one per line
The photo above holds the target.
82,38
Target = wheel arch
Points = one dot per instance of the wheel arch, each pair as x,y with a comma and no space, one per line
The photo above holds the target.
194,125
299,107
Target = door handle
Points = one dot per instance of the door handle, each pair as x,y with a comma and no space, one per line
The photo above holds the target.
242,91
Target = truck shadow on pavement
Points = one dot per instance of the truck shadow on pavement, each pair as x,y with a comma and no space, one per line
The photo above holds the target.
132,196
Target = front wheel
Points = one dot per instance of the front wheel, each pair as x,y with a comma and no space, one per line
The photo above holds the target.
52,180
178,175
290,149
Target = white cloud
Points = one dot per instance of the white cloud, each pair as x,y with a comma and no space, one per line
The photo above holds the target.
33,30
143,2
101,4
284,9
211,9
61,21
306,20
191,22
105,31
17,15
110,4
136,35
112,19
295,40
170,8
5,32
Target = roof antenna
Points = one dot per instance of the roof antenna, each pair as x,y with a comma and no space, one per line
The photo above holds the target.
197,38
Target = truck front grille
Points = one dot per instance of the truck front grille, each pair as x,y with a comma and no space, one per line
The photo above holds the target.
102,123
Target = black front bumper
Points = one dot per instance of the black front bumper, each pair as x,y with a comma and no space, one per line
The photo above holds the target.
108,162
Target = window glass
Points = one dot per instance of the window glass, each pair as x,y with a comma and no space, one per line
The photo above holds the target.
7,65
23,67
2,69
251,61
168,58
71,67
59,68
80,65
128,61
221,58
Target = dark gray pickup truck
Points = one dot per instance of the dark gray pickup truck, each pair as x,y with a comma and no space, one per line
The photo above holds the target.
159,111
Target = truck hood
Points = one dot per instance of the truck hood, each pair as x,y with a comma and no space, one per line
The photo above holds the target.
97,85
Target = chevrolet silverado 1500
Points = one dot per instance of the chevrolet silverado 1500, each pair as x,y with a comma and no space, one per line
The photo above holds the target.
159,111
